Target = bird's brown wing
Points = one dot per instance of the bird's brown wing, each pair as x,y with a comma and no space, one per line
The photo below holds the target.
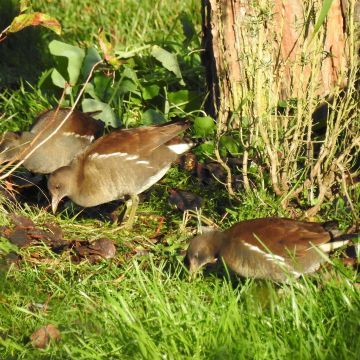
283,237
78,122
136,141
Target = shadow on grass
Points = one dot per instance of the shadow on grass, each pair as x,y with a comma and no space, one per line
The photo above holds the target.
23,55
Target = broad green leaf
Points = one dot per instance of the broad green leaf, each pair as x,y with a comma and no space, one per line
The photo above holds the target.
185,99
74,56
127,86
282,104
90,90
207,148
179,98
229,143
107,115
204,126
150,91
151,117
34,19
168,61
92,57
58,79
130,74
102,85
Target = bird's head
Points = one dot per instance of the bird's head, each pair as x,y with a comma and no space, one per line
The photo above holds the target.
203,249
60,184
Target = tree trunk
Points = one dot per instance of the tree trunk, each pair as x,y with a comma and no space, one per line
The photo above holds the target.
225,41
269,65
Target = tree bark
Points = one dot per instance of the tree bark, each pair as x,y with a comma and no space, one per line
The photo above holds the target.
224,42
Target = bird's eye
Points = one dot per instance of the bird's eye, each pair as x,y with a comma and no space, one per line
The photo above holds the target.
57,187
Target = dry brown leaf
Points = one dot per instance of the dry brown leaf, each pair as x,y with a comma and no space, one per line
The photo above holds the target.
41,338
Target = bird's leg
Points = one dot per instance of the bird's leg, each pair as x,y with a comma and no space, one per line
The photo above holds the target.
131,207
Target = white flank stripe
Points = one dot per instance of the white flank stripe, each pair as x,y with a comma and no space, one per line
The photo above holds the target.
268,256
88,137
273,257
254,248
143,162
296,274
179,148
132,157
104,156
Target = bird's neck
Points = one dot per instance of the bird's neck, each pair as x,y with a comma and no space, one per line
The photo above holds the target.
216,240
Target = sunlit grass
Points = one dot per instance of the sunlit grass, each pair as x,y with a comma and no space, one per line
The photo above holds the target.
146,307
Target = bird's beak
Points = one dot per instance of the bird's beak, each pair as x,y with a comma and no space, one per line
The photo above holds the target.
54,203
194,269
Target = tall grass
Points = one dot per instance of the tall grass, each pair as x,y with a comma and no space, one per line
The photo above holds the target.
144,310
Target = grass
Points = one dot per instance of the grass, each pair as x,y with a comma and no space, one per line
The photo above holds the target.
146,309
145,306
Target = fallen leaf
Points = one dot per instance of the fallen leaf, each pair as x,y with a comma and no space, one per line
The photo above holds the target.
103,247
185,200
22,221
41,338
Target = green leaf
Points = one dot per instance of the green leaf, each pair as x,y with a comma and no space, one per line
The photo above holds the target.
151,117
185,100
92,57
90,90
179,98
107,115
229,143
34,19
150,91
102,85
130,74
282,104
206,148
204,126
74,56
24,5
131,53
58,79
188,27
168,61
326,5
127,86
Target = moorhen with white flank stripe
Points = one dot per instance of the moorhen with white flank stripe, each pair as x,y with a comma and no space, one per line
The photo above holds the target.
78,131
267,248
123,163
